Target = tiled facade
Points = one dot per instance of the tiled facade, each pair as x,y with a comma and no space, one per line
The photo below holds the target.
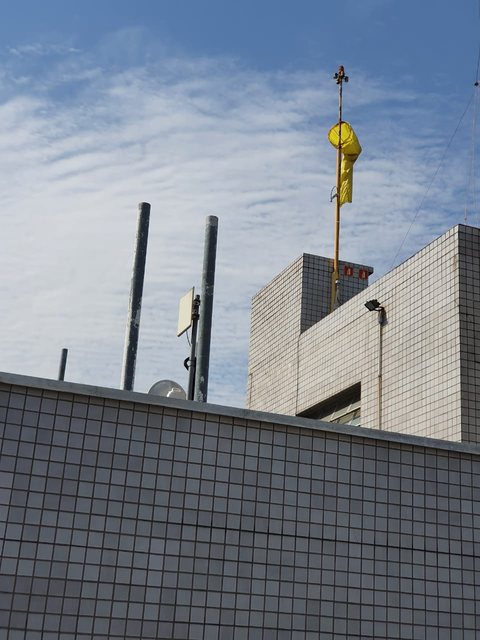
430,348
469,319
126,516
294,301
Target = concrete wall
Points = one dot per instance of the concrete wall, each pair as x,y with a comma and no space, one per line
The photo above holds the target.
274,335
126,516
430,355
469,318
420,348
294,301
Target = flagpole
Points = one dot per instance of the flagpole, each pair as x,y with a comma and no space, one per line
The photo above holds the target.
335,298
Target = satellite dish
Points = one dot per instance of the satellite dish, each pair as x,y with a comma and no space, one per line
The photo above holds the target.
168,389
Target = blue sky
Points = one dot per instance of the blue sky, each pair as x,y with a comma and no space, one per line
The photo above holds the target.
424,42
221,108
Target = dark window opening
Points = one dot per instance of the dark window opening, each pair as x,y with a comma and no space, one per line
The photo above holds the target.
343,408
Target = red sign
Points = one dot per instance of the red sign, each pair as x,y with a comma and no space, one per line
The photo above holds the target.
348,271
363,274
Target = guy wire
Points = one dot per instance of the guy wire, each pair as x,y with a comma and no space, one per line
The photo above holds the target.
431,182
471,172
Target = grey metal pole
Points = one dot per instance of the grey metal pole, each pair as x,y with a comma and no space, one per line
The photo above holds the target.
193,347
205,320
136,293
63,364
381,320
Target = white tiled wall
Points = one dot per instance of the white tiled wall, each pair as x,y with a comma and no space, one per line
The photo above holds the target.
430,345
281,312
420,383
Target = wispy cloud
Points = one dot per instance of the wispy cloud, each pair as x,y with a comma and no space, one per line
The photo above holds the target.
194,138
37,49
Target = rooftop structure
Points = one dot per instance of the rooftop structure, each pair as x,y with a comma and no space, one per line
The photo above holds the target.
127,516
426,351
282,312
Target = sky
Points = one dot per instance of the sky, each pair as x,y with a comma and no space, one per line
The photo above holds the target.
214,108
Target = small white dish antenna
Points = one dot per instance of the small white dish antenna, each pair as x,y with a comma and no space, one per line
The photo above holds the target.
168,389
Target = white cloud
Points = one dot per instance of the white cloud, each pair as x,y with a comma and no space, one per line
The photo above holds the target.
194,138
42,50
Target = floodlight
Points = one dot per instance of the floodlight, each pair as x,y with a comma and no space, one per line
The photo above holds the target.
372,305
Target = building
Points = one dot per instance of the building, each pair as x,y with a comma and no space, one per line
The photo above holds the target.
282,312
128,516
427,350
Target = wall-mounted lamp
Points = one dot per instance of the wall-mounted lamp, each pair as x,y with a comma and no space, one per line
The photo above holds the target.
372,305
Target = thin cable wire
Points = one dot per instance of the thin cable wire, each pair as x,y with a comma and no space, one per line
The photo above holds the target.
474,193
188,339
431,182
471,172
477,81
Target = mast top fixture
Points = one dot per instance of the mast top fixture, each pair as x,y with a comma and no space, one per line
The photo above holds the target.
340,75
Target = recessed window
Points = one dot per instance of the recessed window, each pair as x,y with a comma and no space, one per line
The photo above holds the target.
343,408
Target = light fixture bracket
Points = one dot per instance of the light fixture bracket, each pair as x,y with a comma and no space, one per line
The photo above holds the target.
373,305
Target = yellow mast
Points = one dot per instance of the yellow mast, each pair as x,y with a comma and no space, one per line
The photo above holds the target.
335,299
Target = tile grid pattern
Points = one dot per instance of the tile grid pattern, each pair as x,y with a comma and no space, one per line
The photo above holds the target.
316,286
289,305
420,364
469,316
274,334
132,521
430,370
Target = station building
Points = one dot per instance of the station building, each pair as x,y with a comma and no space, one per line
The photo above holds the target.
127,516
426,352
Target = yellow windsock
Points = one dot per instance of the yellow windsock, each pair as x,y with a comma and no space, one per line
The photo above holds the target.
351,149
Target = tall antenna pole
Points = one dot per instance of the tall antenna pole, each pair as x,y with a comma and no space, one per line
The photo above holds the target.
206,310
339,77
136,293
63,364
